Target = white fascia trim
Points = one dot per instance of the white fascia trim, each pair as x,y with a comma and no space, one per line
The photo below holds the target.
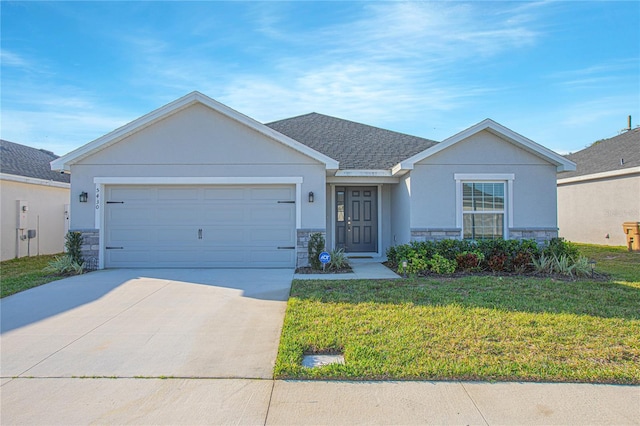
363,173
63,163
34,181
225,180
602,175
561,163
356,180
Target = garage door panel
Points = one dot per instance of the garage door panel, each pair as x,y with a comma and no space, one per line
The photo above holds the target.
115,236
222,194
278,213
277,236
204,226
175,214
278,194
178,194
130,215
131,194
230,214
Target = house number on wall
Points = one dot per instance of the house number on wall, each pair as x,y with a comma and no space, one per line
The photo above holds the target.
97,198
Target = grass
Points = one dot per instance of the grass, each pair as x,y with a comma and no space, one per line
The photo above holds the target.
24,273
471,328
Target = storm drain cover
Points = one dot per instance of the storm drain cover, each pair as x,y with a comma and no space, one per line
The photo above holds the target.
312,361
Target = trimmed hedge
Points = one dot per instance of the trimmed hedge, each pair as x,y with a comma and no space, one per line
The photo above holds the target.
486,255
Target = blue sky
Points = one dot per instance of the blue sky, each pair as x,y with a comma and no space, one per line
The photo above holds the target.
564,74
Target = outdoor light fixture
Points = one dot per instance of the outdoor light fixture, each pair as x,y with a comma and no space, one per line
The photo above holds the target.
593,267
404,269
84,197
311,197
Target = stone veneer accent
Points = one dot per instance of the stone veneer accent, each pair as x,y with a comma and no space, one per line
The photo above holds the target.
435,234
302,246
90,247
541,235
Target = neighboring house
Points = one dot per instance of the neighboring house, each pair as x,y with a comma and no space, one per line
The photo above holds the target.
603,192
34,201
197,184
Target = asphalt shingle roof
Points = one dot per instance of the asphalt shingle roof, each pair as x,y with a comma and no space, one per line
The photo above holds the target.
354,145
616,153
22,160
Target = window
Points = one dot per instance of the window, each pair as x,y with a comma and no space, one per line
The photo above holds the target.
484,205
482,210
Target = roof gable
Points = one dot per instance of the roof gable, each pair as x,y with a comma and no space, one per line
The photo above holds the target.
22,160
609,155
502,132
355,146
64,162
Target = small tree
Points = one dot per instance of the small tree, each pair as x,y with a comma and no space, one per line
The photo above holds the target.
316,246
73,245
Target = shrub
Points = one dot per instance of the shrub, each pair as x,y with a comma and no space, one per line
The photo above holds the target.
64,265
441,265
338,260
582,267
469,261
316,246
558,247
497,262
543,264
522,262
73,244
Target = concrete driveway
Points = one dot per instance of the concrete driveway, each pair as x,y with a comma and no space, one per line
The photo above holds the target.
147,323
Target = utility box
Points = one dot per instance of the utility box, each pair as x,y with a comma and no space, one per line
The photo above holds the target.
632,231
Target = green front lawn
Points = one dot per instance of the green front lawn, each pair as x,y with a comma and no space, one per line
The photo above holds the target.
22,274
471,328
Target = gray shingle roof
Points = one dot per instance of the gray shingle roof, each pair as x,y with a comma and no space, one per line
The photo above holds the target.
22,160
606,155
354,145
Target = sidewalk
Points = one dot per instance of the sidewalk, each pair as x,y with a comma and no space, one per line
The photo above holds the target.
363,269
268,402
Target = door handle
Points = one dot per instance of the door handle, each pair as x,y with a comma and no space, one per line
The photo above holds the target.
199,234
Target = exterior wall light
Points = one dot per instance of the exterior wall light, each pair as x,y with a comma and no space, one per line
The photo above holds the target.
311,197
84,197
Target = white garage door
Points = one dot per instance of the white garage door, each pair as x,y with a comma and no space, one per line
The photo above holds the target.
200,226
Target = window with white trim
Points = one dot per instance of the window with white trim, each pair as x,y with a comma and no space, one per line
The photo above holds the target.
483,210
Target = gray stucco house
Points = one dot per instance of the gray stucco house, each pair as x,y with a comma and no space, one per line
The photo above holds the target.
197,184
603,192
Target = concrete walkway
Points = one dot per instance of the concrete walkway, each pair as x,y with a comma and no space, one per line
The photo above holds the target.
198,347
362,270
267,402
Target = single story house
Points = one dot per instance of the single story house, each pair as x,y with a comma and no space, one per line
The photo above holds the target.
197,184
603,192
34,200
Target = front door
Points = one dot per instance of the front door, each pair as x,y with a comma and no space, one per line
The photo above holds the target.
357,218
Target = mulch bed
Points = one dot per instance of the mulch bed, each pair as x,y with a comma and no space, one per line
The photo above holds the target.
308,270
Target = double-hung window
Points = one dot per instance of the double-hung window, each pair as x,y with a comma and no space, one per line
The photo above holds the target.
482,210
483,202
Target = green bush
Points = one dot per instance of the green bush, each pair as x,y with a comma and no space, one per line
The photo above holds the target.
441,265
338,260
316,246
558,247
64,265
73,244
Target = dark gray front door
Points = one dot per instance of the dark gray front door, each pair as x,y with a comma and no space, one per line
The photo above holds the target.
357,218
